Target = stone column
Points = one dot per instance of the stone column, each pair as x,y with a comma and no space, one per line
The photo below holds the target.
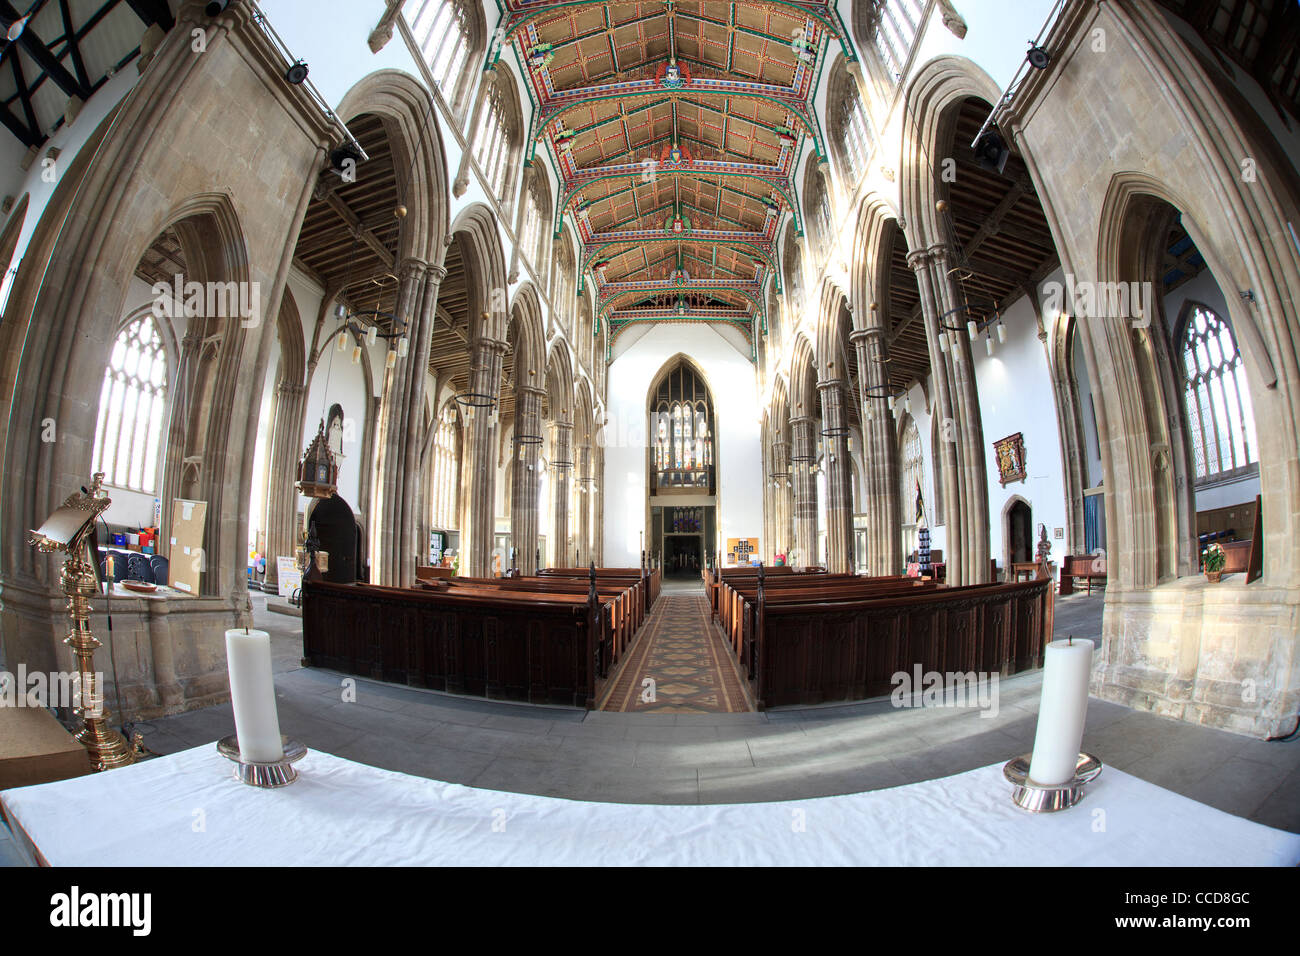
481,435
805,489
584,506
174,463
969,425
397,463
281,492
839,494
879,453
942,406
783,536
523,502
561,484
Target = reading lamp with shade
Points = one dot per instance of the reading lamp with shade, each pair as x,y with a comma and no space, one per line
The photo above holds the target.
69,531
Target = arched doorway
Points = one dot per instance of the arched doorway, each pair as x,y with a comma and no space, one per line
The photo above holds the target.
1017,533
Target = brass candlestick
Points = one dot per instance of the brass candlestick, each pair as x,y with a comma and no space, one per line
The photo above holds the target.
68,531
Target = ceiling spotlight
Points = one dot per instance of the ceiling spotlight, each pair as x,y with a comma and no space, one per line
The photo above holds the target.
297,74
215,7
1039,58
342,155
14,28
991,152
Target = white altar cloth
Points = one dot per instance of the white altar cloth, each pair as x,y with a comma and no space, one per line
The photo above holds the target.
188,810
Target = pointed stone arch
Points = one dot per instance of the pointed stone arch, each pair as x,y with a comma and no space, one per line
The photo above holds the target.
419,157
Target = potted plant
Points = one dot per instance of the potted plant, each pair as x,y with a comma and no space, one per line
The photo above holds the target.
1212,560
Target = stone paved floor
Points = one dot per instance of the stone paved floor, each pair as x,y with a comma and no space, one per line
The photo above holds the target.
736,758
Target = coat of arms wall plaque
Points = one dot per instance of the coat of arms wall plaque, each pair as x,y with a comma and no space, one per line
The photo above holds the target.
1011,458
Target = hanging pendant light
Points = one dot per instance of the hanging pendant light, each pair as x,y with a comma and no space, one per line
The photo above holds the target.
356,355
343,341
1002,332
988,342
403,347
372,336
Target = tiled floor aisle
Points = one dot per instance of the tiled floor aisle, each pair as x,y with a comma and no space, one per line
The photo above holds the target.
678,665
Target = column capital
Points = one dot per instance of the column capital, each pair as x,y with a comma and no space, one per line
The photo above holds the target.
831,384
412,268
436,274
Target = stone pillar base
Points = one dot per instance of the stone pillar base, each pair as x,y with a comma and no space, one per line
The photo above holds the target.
170,653
1221,655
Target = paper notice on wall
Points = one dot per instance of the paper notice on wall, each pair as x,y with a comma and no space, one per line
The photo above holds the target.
187,560
288,575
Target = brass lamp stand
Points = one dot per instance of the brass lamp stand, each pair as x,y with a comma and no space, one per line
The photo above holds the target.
68,530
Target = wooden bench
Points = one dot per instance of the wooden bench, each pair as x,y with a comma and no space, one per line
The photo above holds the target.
623,610
651,577
478,640
738,603
812,652
1088,567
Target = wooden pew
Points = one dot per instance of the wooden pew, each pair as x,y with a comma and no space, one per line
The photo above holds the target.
533,647
1089,567
739,602
651,578
622,607
713,578
817,646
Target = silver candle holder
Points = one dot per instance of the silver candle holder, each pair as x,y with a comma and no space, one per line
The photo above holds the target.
1037,798
267,774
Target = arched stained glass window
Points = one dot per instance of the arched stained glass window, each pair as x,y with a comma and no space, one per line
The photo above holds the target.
682,452
128,435
855,136
891,27
1220,418
445,32
912,460
446,470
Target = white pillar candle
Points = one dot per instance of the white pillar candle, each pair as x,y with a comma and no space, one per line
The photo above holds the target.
252,694
1061,712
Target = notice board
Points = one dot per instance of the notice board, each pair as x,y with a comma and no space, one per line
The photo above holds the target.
187,561
741,551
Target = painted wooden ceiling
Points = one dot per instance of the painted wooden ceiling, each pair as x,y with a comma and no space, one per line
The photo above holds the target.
675,129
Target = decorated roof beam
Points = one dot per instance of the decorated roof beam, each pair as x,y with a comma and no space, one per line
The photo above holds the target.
564,140
748,243
523,12
783,189
647,288
551,111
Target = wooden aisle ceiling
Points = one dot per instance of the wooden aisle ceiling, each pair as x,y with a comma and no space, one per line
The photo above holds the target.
676,185
66,49
1260,36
